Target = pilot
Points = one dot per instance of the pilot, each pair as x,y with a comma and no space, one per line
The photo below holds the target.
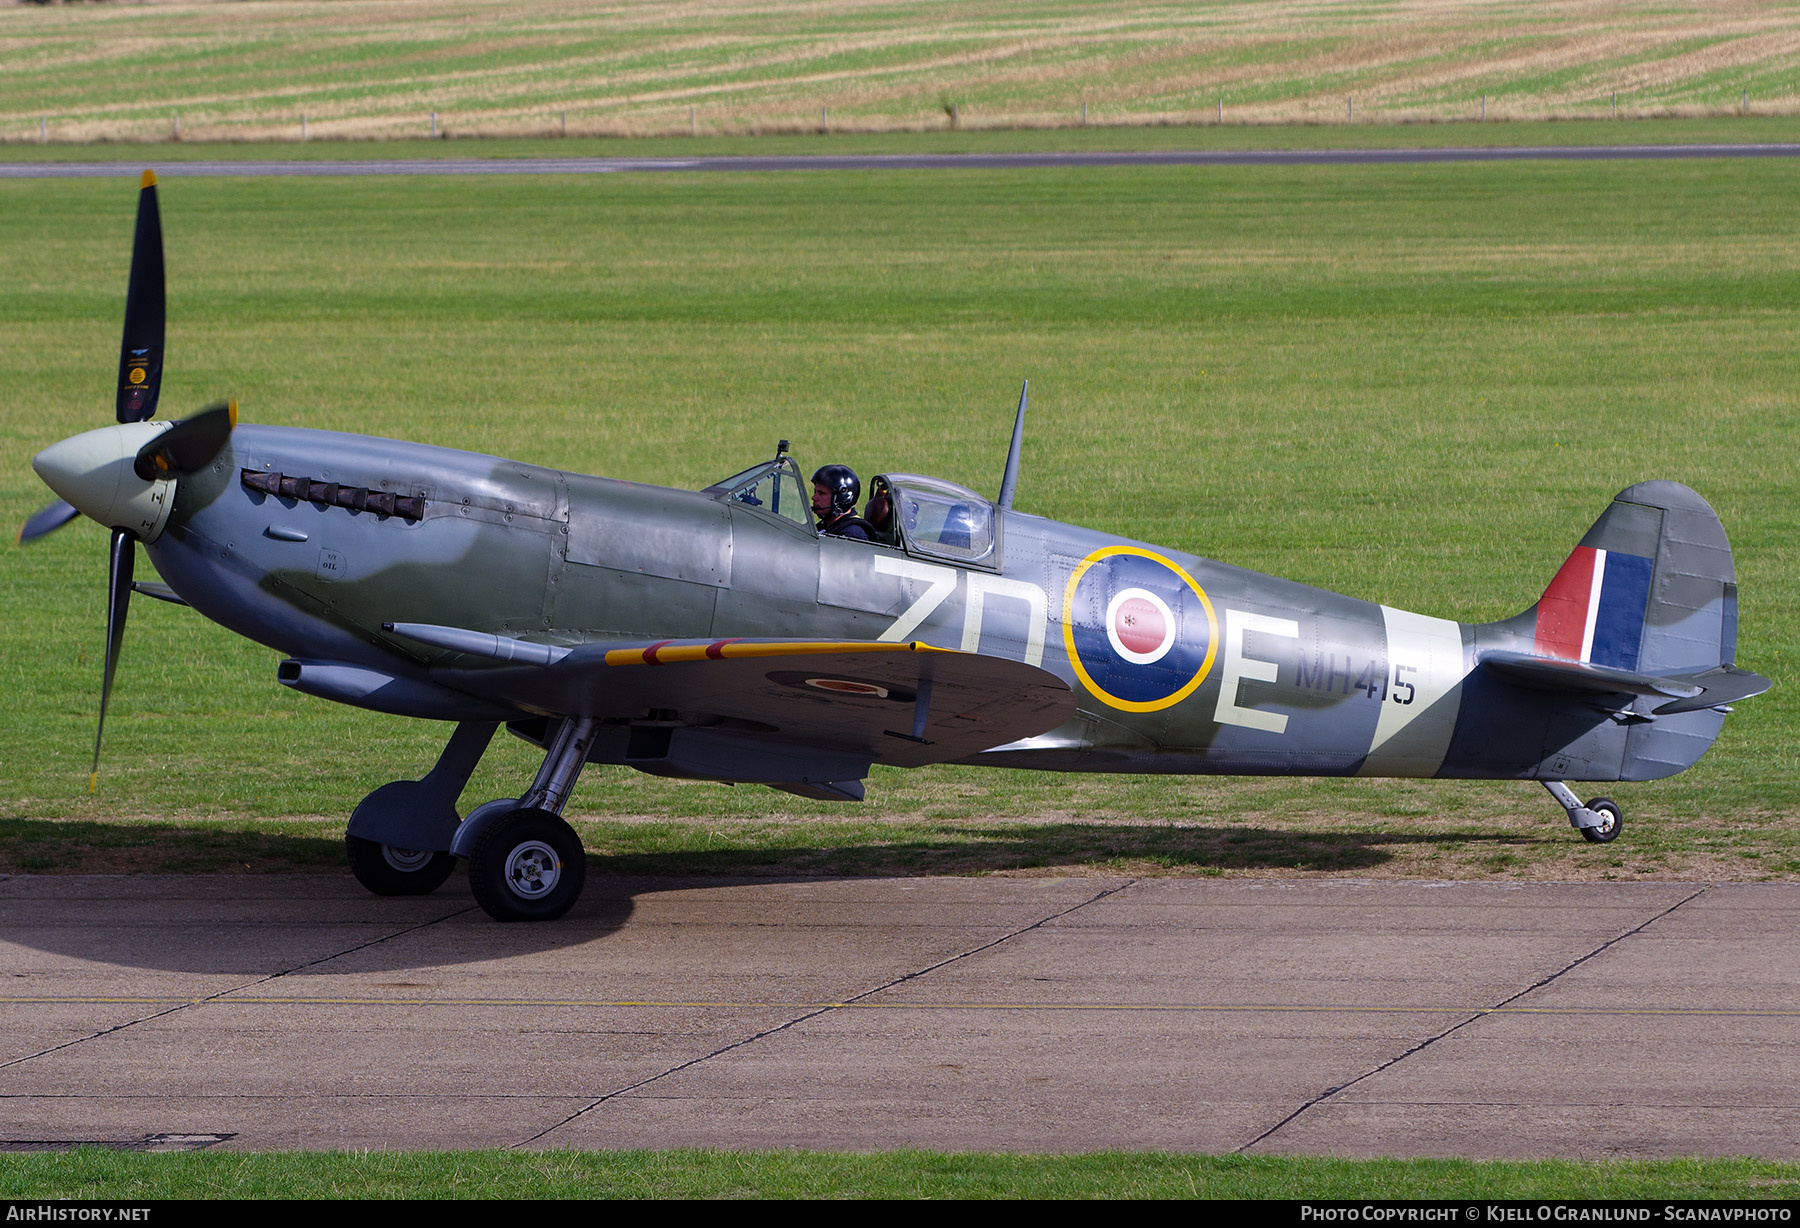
835,491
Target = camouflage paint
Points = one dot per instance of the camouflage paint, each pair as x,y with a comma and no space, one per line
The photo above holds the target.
1178,663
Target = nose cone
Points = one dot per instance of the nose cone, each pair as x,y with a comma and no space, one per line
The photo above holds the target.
93,473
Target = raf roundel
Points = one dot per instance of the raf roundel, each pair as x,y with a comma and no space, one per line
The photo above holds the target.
1140,633
1140,626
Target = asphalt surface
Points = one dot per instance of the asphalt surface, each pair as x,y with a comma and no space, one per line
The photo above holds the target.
846,162
1071,1014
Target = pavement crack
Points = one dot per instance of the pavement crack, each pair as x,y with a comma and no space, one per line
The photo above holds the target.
361,946
818,1011
1573,964
225,994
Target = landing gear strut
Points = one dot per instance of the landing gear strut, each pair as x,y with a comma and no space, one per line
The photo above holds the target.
525,862
1598,822
399,838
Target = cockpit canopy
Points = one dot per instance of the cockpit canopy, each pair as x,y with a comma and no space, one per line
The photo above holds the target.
931,517
939,518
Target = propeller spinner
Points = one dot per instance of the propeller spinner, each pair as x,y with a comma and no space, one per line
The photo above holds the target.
124,476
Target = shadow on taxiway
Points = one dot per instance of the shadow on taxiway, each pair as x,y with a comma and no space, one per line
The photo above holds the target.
40,846
184,909
1098,848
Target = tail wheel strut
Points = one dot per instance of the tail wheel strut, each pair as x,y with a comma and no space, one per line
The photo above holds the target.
1599,821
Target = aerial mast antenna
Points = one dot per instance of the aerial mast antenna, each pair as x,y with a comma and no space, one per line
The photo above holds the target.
1010,482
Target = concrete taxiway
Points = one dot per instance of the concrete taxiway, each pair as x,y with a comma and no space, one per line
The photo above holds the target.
1060,1014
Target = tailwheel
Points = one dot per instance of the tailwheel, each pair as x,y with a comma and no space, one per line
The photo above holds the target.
1607,831
387,870
527,866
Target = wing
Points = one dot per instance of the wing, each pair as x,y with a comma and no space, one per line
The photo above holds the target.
905,704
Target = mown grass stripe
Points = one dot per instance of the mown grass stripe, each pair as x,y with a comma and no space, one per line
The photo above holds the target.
499,68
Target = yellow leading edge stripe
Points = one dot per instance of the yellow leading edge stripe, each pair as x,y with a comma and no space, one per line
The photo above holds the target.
720,650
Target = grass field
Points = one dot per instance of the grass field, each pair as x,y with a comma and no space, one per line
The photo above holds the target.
96,1174
1416,384
380,68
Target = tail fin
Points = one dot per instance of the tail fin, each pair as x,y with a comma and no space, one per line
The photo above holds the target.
1651,589
1645,606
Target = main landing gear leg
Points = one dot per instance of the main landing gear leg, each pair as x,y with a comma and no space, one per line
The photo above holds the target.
525,862
399,837
1598,821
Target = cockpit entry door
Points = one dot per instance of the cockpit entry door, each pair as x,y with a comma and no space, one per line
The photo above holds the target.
936,519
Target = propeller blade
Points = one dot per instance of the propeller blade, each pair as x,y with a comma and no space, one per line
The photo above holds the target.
141,350
187,447
118,601
49,520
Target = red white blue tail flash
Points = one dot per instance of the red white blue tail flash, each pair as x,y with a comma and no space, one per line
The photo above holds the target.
1594,609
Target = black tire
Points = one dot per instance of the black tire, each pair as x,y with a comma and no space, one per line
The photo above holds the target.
1615,820
527,866
387,870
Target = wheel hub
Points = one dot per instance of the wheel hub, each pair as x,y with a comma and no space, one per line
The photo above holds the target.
532,869
407,861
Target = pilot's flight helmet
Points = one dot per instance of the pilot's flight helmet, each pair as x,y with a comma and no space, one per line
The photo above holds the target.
843,484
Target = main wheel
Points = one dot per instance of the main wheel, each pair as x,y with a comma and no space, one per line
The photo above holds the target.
527,866
387,870
1609,830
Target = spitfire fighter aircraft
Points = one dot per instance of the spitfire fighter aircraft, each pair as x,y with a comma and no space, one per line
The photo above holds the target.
719,635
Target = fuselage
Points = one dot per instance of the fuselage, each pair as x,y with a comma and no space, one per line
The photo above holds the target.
309,541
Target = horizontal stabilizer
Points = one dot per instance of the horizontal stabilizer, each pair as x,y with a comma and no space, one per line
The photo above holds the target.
1725,685
1562,674
1690,692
